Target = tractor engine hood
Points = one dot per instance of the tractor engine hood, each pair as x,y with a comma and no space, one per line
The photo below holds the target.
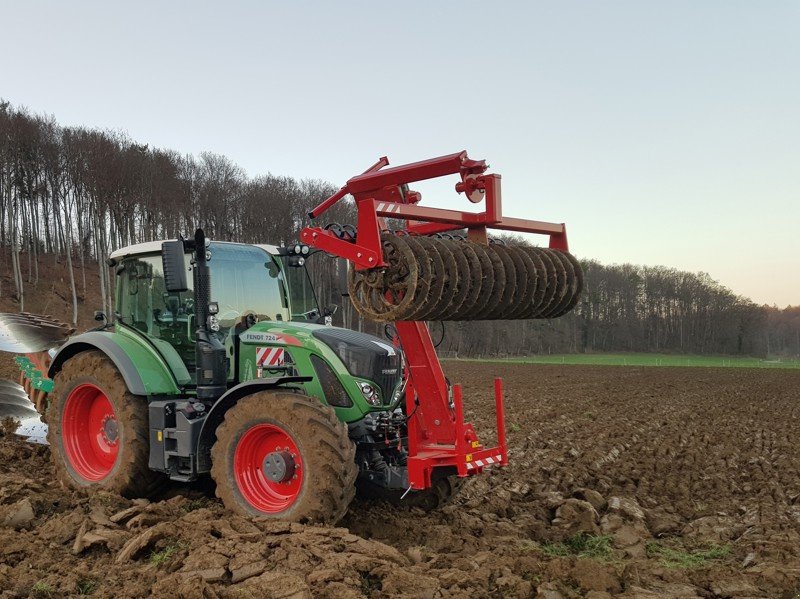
366,357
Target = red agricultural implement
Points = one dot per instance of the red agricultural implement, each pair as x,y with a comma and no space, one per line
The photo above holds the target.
423,271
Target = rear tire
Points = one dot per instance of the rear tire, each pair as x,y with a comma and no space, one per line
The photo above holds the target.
98,431
315,457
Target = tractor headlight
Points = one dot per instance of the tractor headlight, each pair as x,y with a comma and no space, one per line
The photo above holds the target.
213,323
370,393
399,390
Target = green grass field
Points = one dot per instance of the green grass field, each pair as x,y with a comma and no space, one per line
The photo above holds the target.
648,360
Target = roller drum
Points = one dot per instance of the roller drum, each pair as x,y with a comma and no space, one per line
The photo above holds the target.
440,278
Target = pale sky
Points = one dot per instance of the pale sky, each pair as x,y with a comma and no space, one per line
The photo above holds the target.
660,132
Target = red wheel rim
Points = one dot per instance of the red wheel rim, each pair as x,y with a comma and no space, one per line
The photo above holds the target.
265,495
90,432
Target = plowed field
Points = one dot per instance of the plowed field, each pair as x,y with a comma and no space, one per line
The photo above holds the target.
637,482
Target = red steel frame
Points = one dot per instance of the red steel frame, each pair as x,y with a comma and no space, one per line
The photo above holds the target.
437,434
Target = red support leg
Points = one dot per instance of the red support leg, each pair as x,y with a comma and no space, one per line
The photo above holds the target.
438,437
501,418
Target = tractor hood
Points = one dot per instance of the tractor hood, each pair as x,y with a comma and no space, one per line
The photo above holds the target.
364,356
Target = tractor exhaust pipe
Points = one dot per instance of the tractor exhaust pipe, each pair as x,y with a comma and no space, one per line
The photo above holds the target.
212,363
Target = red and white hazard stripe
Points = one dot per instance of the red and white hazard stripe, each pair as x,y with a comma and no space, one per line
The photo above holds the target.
269,356
489,461
388,207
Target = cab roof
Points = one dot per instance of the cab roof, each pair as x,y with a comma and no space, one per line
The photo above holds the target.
154,247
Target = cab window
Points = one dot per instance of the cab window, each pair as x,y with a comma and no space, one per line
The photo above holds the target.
144,304
302,298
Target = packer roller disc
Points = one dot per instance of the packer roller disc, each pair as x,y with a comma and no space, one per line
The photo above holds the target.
560,285
541,277
431,281
503,296
459,281
464,263
500,279
491,273
577,286
523,301
449,274
565,292
521,269
424,278
474,276
387,293
550,281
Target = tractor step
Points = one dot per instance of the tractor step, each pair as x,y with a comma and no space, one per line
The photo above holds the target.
174,433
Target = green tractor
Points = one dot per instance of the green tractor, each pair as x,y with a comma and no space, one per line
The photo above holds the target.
218,362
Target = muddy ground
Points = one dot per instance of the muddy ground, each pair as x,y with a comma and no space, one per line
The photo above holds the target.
629,482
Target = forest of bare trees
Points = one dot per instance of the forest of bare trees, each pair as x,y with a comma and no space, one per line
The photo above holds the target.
73,194
627,308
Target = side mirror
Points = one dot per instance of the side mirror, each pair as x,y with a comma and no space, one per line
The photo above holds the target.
327,315
172,260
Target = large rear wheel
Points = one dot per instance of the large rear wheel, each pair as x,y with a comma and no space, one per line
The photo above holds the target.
98,430
284,455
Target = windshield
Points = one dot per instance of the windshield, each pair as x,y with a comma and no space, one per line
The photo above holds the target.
302,298
246,280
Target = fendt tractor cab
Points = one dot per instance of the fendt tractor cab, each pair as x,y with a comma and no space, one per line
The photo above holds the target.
216,362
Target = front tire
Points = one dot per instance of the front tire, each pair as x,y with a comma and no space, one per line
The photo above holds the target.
98,431
286,456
